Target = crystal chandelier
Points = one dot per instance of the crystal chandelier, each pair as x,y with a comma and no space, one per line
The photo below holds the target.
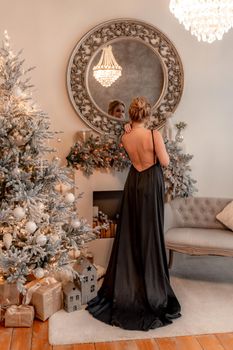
107,71
208,20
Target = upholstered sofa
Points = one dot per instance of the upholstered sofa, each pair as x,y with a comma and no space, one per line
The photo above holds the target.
191,227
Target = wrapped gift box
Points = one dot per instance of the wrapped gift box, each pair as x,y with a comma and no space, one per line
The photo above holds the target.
19,316
47,299
9,294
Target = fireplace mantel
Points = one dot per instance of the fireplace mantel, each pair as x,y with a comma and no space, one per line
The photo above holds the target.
98,181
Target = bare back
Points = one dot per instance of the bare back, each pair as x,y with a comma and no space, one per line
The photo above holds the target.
138,143
139,146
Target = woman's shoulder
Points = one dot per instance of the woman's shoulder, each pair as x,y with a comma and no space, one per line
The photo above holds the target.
122,137
157,134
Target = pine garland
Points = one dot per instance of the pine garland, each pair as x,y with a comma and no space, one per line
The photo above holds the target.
102,152
96,153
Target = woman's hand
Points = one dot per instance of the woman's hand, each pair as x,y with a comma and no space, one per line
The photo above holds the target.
127,128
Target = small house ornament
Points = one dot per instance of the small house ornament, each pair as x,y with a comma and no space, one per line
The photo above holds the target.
87,280
72,297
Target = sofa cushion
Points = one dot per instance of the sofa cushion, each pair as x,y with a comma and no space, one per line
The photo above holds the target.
226,216
197,212
198,237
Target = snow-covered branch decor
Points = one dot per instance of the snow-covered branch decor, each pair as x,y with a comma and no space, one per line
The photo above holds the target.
39,226
100,152
96,153
178,182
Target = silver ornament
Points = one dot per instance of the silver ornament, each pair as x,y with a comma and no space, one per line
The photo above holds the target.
69,197
75,223
38,272
19,213
41,240
30,226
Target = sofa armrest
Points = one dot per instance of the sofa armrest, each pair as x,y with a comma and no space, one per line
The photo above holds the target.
169,217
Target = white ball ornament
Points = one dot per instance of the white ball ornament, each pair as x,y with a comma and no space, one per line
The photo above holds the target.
41,240
75,223
7,240
30,226
38,272
19,213
69,197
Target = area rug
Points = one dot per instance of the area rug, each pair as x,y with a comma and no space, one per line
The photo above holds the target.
203,286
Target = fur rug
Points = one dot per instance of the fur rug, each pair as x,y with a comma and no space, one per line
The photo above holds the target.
203,286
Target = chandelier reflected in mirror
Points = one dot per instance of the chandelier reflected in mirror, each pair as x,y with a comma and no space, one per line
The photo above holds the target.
107,71
208,20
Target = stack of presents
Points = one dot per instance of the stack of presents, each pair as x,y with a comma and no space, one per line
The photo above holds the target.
46,296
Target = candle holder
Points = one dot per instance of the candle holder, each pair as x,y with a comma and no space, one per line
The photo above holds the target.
83,135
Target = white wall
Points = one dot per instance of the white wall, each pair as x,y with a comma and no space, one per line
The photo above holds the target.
49,29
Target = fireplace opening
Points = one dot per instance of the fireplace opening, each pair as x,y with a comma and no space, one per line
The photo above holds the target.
106,209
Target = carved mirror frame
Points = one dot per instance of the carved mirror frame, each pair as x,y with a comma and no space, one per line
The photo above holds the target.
106,33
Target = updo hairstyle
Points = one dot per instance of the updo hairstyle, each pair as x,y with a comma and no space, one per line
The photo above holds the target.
139,109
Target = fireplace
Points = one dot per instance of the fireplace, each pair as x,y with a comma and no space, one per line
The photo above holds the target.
106,209
98,182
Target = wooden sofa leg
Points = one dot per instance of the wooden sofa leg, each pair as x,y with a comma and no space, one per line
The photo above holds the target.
170,258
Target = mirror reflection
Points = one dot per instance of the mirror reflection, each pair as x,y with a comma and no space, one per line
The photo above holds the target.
142,75
116,108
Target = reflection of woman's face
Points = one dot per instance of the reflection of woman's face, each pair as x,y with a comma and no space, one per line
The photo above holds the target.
119,112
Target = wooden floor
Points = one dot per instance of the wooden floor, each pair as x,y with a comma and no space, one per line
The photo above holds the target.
36,338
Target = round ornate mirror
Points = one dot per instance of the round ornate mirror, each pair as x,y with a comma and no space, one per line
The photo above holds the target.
151,67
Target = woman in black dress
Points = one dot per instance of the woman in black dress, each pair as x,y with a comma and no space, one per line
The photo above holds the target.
136,293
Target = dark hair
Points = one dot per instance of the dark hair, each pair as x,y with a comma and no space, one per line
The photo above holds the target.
139,109
112,105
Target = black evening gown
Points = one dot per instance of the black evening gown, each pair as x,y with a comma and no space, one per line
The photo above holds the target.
136,293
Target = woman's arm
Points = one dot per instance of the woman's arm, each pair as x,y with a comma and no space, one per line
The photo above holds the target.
160,149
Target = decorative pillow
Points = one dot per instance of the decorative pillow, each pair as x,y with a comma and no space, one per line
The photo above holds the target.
226,216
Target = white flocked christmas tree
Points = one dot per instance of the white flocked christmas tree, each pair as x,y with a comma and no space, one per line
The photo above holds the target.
39,226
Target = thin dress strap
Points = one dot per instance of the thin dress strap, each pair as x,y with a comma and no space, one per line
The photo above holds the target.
153,144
